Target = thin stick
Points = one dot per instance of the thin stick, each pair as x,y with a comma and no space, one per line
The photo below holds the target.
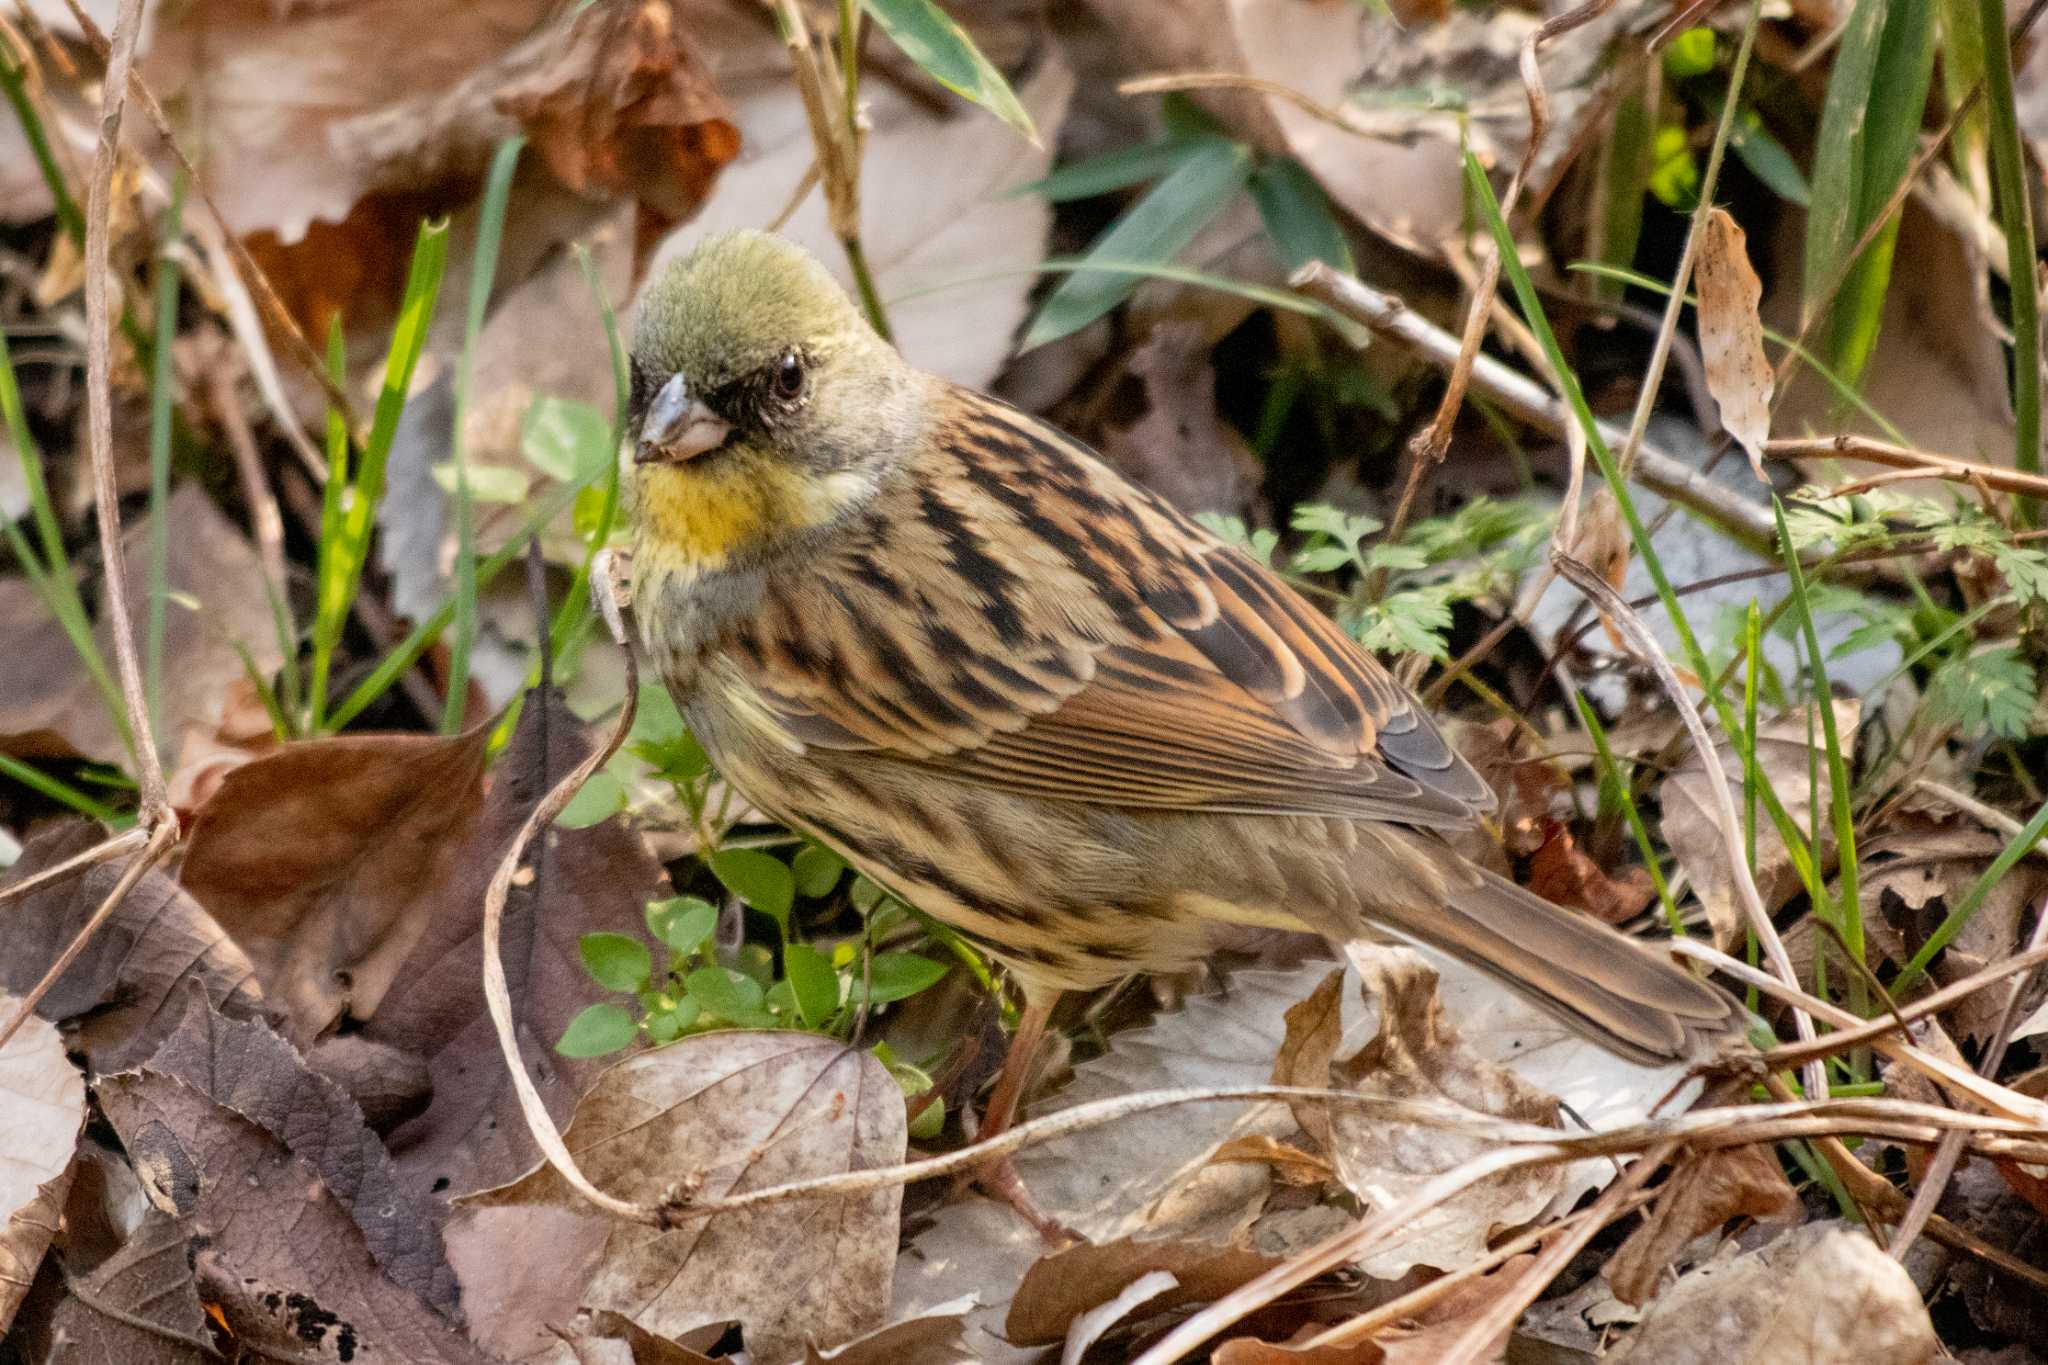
1791,1054
497,993
156,806
77,862
1847,446
1526,400
263,514
1988,816
1615,609
160,841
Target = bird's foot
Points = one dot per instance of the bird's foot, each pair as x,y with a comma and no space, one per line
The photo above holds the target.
998,1179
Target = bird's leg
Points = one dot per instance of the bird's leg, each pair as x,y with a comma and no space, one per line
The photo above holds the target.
998,1175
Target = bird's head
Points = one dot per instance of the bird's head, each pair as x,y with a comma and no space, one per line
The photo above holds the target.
763,405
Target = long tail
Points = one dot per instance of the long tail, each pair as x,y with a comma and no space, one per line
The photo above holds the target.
1623,994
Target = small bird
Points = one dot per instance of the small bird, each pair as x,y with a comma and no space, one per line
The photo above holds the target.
1033,699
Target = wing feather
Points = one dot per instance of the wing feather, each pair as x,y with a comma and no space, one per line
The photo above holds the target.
1018,615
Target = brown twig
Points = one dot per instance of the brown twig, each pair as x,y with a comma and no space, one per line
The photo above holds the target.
1922,463
77,862
264,517
1526,400
156,807
160,841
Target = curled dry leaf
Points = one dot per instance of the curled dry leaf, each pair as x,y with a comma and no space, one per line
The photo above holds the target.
1692,827
122,995
959,235
1066,1285
1417,1055
42,1108
274,1249
141,1303
1732,335
248,1069
1561,872
720,1114
935,1338
1823,1294
327,859
1703,1192
49,706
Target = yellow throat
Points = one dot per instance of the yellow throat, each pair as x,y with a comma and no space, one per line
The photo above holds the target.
695,517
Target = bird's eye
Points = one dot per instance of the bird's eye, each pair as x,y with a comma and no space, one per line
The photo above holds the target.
789,375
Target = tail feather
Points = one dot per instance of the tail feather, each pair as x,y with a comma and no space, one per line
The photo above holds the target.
1622,993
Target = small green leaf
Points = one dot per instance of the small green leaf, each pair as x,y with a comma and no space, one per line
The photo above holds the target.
597,1030
931,1122
597,801
1100,174
814,983
1298,216
1691,53
617,962
1152,231
817,870
897,976
565,440
1322,558
732,996
668,1025
760,879
683,922
494,483
929,37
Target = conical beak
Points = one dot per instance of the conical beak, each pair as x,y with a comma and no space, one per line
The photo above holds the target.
678,427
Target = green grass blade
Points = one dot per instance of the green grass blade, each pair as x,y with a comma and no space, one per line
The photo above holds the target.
930,37
572,619
1888,139
1617,782
1297,215
1849,910
356,508
35,779
1117,170
2022,844
162,383
490,232
407,651
14,81
1624,179
2009,175
1151,232
1833,222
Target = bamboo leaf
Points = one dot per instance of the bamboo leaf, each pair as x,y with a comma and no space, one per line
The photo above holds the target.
930,37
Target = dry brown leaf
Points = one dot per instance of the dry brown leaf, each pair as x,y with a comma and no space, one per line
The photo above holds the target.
1562,873
1417,1055
1423,1340
623,103
1290,1164
49,706
608,1339
1823,1294
248,1069
1251,1351
42,1109
1732,335
1692,828
1315,1029
1067,1284
124,993
140,1304
584,880
723,1113
1179,447
273,1248
327,859
1397,166
1705,1191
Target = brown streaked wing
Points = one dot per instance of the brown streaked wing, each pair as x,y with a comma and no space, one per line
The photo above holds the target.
1019,616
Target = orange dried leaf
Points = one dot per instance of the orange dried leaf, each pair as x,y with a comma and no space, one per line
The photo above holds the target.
1732,335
